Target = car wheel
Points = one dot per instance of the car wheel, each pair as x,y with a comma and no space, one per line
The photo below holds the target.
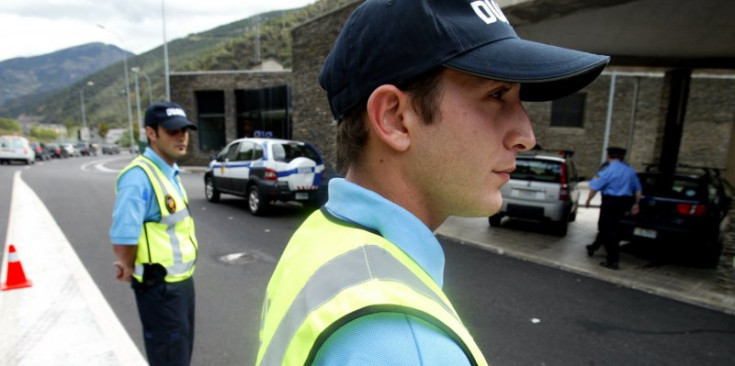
495,220
573,216
256,204
210,192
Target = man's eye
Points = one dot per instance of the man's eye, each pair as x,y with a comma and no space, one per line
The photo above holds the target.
499,93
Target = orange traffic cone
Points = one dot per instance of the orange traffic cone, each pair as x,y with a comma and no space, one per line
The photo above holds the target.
16,276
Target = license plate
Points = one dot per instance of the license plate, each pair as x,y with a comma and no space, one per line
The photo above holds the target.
302,196
645,233
525,193
305,170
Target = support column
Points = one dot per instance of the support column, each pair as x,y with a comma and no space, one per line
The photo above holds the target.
677,84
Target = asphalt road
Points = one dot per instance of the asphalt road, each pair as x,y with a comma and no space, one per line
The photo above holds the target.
520,313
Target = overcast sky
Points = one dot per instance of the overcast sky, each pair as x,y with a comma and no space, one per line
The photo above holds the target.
36,27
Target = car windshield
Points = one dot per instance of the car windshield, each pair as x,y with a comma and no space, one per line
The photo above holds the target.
286,152
676,187
10,142
537,170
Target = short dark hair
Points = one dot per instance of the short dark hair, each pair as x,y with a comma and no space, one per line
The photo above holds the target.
616,153
352,130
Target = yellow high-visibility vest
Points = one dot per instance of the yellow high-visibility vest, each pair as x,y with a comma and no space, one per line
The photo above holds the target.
171,241
332,272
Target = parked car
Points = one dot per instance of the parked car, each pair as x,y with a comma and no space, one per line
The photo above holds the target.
56,151
543,188
110,149
40,151
16,148
69,148
682,213
86,149
267,170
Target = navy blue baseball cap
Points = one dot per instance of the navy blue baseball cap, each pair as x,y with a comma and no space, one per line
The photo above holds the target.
168,115
396,41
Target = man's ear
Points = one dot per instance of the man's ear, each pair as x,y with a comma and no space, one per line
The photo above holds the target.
151,133
387,107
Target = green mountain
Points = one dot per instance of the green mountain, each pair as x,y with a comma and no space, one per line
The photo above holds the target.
30,79
227,47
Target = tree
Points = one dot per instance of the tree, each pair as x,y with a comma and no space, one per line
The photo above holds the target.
43,134
103,129
125,138
9,125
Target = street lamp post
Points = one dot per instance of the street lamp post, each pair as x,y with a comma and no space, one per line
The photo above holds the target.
141,130
165,51
84,116
150,96
127,85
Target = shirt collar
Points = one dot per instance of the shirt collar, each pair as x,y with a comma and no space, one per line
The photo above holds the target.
169,171
351,202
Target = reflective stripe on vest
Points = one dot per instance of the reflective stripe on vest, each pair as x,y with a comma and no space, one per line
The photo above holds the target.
365,279
174,233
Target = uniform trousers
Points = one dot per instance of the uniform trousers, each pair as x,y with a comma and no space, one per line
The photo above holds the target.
611,211
167,313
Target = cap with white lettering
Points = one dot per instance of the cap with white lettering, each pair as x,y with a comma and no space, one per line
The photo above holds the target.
168,115
397,41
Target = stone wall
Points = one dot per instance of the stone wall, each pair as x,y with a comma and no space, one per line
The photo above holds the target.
637,122
312,118
185,85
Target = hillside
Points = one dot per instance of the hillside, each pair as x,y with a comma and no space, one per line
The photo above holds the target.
35,77
228,47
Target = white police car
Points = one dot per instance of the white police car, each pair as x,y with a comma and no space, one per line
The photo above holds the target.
265,170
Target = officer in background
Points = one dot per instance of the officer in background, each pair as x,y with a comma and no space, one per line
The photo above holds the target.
621,192
154,239
427,98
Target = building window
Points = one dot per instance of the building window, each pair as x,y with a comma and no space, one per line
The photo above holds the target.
264,112
568,111
211,118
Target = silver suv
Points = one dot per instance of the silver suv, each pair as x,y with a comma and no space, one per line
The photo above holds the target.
542,188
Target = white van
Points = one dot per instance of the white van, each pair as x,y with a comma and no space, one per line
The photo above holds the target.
16,148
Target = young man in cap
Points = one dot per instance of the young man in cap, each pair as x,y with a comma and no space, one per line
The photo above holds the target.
427,96
154,239
621,192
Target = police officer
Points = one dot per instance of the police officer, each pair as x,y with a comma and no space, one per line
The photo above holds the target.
621,192
154,239
427,98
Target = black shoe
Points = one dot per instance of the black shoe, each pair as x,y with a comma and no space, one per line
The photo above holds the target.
610,265
590,250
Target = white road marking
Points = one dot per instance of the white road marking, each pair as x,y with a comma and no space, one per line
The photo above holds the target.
63,318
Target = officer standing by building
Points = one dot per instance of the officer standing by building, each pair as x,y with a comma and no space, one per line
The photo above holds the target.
154,239
621,192
427,98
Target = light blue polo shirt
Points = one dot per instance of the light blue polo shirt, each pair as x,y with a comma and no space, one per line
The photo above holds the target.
136,201
389,338
617,179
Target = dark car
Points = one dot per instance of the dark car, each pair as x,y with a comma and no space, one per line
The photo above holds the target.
268,170
110,149
56,151
86,149
542,188
39,148
682,213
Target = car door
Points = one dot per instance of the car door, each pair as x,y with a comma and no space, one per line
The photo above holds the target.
240,167
221,169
